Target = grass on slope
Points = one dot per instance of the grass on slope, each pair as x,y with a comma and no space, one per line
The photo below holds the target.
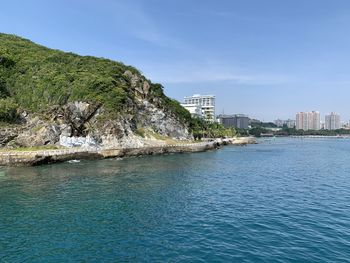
33,77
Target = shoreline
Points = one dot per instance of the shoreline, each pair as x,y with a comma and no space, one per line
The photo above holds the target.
321,136
309,136
39,157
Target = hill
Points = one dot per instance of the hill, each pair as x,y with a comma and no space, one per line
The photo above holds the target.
36,77
49,94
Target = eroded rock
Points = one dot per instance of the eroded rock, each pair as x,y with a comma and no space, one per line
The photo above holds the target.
81,120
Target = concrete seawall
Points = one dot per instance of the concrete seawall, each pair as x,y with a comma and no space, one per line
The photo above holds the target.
31,158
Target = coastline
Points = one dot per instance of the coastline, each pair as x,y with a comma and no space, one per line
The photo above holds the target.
39,157
320,136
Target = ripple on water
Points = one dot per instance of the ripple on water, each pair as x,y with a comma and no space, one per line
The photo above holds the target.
283,200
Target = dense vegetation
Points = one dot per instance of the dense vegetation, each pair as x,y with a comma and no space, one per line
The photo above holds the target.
202,129
285,131
257,131
293,132
8,110
259,124
33,77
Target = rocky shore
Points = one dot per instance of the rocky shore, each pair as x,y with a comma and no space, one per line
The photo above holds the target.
32,158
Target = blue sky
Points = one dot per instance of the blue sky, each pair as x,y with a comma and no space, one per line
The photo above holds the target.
265,58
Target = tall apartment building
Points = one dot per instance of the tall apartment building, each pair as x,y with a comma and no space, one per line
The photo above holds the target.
308,120
332,121
207,102
301,121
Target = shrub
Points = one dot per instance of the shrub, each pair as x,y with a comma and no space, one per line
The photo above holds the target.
8,110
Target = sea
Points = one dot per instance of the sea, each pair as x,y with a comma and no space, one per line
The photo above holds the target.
281,200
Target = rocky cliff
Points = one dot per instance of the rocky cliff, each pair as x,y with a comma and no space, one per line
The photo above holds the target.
63,99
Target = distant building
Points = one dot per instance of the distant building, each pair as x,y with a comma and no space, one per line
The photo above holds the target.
195,110
240,121
332,121
308,120
207,102
279,123
289,123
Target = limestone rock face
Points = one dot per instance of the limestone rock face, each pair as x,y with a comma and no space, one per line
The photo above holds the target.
36,132
161,121
7,135
76,115
77,121
140,85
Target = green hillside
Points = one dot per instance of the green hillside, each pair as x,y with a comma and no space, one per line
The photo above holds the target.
34,78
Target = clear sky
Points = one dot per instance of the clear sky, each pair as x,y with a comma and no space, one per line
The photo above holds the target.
265,58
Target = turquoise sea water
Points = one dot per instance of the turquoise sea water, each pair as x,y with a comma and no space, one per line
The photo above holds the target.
283,200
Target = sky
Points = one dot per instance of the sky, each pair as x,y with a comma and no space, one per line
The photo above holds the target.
265,58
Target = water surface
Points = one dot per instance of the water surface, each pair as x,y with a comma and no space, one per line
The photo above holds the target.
283,200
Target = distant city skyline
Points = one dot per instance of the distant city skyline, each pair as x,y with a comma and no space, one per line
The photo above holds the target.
267,59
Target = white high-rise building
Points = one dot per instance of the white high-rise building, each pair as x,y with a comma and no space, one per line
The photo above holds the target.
207,102
195,110
308,120
332,121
